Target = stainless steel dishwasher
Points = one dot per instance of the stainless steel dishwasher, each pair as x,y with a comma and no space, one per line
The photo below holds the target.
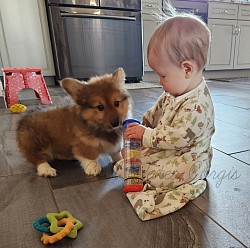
93,37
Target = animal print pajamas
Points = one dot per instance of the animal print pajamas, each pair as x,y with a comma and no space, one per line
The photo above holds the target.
177,154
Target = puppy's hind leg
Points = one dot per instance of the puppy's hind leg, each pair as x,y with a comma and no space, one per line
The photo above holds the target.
45,170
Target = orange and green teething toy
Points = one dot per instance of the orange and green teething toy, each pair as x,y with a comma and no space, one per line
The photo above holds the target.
55,228
61,225
46,239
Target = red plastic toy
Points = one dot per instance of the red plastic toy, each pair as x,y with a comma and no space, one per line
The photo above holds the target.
16,79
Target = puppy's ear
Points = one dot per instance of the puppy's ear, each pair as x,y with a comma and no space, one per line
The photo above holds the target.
118,76
72,87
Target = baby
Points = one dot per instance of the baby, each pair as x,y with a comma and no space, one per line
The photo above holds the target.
176,132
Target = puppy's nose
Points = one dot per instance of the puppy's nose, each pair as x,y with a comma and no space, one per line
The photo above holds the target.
115,123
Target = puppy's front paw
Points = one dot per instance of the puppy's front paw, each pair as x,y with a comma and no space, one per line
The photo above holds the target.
45,170
92,168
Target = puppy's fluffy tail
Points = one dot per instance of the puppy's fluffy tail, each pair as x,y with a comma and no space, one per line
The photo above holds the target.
30,142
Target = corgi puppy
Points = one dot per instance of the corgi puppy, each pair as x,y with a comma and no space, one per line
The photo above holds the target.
91,126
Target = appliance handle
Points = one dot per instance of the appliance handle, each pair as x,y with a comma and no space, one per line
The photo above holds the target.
126,18
193,10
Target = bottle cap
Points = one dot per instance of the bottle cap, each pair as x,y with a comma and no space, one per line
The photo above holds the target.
132,188
132,185
128,121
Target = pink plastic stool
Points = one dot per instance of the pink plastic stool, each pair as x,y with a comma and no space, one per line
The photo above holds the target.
16,79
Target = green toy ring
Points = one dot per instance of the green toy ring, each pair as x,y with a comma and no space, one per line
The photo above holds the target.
38,224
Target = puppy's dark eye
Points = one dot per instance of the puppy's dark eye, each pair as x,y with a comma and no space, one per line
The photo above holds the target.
100,107
117,104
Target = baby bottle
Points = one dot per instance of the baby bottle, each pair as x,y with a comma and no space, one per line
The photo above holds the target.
132,162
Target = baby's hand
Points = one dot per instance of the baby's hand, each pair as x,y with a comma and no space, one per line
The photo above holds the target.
134,131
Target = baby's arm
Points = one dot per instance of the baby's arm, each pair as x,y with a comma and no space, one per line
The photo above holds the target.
150,117
189,123
146,122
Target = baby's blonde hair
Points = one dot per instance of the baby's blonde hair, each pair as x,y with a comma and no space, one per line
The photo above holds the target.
181,37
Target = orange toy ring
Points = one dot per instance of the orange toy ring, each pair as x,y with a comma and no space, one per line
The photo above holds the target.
69,225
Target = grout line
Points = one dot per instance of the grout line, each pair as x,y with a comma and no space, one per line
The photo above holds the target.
218,224
81,183
239,160
229,154
58,210
15,174
239,152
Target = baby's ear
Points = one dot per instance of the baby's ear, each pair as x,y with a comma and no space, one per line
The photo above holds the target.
187,66
118,76
72,86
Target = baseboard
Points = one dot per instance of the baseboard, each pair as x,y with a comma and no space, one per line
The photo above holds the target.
50,80
152,76
227,74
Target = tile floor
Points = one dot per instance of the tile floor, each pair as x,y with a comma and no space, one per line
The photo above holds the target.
219,218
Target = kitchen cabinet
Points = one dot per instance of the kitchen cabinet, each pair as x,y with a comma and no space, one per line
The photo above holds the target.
150,23
229,24
24,35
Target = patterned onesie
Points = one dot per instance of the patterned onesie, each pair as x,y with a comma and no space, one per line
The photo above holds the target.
177,152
